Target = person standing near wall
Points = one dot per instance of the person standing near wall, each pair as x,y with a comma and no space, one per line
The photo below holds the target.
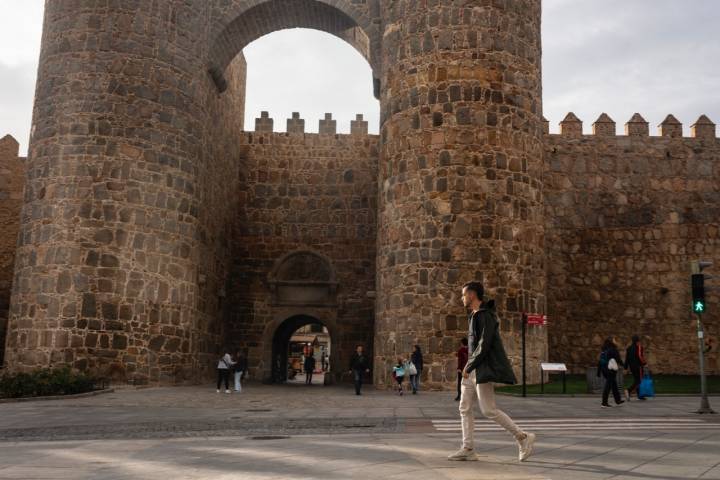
462,356
240,367
309,367
488,364
608,366
359,366
635,361
223,369
416,358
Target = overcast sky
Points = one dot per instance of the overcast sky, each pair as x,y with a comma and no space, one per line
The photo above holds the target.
615,56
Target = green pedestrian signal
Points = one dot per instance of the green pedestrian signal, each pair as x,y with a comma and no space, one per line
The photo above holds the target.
697,284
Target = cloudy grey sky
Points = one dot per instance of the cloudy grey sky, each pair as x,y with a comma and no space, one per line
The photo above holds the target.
616,56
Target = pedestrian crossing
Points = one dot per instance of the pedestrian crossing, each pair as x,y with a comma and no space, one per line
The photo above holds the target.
585,424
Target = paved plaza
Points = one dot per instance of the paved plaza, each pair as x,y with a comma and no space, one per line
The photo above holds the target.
283,432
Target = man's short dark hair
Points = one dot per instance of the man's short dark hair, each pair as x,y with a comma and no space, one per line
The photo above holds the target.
464,341
475,287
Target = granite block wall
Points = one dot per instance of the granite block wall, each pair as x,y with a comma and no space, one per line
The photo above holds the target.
625,215
314,195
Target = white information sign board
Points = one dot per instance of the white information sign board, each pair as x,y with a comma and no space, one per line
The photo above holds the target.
553,367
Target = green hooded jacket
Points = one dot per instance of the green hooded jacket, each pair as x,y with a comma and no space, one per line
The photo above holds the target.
488,359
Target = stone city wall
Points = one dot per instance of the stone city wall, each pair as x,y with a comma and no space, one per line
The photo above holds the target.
12,179
155,232
625,215
304,192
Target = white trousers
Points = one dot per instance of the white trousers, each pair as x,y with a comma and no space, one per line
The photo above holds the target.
238,385
485,393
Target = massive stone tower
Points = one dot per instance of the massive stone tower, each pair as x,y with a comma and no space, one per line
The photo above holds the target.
135,176
460,173
120,252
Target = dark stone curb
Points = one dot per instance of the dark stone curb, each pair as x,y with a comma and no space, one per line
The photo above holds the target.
231,427
57,397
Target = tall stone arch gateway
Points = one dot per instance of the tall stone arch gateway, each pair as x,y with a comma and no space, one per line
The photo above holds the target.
156,231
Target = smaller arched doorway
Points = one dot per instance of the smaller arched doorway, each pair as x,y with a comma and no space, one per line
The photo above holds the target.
294,338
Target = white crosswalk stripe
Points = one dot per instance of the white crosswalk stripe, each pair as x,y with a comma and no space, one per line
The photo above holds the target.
585,424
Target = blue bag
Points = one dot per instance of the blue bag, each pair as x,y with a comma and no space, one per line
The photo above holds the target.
647,386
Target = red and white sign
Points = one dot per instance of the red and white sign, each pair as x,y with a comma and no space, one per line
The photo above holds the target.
536,319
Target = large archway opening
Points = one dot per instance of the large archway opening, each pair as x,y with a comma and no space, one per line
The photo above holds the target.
302,351
248,21
300,191
299,75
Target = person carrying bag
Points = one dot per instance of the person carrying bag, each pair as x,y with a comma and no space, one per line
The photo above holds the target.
608,366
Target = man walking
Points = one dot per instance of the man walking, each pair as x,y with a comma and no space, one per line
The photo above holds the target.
359,366
488,364
462,356
635,361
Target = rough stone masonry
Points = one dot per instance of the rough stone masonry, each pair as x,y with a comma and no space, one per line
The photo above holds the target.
155,231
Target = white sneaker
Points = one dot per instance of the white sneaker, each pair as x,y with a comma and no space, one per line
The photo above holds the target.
525,446
463,455
218,391
227,391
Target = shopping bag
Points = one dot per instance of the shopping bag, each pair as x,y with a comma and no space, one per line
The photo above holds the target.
647,386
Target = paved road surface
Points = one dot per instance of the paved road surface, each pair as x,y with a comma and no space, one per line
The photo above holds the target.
298,432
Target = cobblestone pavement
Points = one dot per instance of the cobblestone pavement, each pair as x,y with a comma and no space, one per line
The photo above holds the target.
327,432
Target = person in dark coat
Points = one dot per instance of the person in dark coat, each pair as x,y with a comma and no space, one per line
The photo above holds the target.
488,364
635,361
608,366
417,359
462,356
239,368
309,366
359,366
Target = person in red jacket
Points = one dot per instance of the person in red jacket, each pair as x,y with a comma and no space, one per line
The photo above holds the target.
635,361
462,355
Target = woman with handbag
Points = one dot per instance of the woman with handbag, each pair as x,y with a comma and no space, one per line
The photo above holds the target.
608,366
415,368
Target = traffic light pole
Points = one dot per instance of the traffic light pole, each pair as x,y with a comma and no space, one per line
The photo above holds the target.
704,402
697,288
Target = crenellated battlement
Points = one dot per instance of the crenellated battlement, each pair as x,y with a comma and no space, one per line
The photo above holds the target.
326,126
572,127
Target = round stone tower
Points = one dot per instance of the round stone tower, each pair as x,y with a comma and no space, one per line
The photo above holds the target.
115,228
460,176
